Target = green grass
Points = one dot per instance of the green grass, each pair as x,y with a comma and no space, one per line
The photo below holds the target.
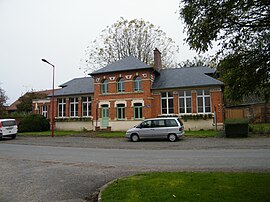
189,186
119,134
202,133
49,133
111,134
260,128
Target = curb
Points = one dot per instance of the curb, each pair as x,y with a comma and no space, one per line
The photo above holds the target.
104,187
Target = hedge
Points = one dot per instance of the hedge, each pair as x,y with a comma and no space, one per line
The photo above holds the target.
236,128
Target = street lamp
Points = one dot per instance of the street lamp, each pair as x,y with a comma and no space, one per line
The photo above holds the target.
43,60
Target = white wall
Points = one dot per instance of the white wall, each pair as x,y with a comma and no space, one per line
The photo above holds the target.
201,124
74,125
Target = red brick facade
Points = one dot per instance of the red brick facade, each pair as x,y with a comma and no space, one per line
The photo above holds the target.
137,100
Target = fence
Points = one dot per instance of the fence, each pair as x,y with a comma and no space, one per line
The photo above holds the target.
234,114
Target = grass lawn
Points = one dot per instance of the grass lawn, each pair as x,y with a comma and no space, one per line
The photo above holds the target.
111,134
120,134
204,133
189,186
260,128
49,133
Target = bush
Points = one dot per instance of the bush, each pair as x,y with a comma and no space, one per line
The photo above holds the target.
34,123
236,128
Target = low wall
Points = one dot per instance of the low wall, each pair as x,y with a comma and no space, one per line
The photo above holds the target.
74,125
126,124
120,125
201,124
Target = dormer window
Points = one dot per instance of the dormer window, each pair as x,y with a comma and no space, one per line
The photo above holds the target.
104,87
137,84
121,85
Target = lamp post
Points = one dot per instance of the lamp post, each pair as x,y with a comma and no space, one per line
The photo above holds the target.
43,60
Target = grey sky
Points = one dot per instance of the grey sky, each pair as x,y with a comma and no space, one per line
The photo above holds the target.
60,31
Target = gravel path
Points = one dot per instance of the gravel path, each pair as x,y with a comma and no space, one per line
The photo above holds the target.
40,178
121,143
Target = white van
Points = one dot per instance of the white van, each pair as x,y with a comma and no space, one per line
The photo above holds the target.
8,128
167,128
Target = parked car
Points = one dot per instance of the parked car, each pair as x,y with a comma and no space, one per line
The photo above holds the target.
159,128
8,128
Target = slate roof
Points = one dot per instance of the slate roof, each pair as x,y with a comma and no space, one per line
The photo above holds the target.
126,64
185,77
76,86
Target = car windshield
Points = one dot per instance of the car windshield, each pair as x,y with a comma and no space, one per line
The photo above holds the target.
8,123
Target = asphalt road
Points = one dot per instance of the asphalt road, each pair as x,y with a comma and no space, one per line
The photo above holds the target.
55,173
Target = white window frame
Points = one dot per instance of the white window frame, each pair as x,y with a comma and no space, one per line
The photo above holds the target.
44,111
185,97
62,106
88,104
167,98
204,96
74,106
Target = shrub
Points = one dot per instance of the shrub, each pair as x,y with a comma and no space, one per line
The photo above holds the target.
236,128
34,123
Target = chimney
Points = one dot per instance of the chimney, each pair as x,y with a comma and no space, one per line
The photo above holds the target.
157,60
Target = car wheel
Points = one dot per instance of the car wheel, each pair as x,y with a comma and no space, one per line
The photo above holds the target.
13,136
134,138
172,137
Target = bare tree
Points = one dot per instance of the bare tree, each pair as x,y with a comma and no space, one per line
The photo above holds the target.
124,38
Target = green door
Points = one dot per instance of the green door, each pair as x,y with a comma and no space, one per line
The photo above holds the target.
105,117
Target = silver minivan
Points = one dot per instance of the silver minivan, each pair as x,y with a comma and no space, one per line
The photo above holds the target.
158,128
8,128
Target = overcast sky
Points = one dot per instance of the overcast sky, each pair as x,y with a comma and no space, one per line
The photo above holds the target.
60,31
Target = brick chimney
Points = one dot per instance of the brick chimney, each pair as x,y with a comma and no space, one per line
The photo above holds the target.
157,60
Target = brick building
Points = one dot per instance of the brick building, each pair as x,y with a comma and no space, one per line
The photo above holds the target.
123,93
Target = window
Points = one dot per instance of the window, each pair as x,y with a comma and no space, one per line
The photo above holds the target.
61,107
146,124
158,123
105,87
171,123
74,107
121,85
203,98
86,106
185,103
120,111
44,111
137,110
167,103
138,84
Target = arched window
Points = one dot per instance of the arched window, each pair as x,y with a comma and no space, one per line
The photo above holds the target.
121,85
105,87
137,84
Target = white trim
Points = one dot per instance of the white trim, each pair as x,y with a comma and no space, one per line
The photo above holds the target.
120,102
128,76
103,103
137,101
